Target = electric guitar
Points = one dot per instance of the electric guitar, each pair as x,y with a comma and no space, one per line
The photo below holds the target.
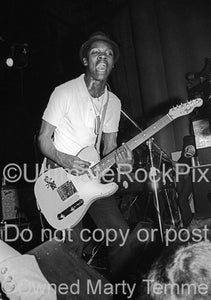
64,198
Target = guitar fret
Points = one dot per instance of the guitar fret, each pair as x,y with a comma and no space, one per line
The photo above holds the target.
143,137
107,162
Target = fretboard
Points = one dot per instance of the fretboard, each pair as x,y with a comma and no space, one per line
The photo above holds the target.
109,160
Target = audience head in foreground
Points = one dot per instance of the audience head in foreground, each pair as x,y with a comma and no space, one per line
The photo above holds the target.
182,272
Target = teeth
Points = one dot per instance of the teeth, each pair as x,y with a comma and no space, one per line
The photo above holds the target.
101,67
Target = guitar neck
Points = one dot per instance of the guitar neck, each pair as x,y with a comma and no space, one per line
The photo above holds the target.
109,160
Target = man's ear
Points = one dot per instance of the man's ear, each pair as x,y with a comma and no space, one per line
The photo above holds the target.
85,62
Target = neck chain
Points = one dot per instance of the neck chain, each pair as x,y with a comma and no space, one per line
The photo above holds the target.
98,111
96,107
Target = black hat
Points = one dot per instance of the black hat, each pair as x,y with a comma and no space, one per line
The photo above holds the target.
99,36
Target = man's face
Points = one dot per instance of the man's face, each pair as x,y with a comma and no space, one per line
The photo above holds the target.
100,60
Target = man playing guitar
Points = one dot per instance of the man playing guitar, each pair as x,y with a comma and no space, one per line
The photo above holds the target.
71,122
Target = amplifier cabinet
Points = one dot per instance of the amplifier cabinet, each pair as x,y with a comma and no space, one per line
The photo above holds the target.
202,192
9,203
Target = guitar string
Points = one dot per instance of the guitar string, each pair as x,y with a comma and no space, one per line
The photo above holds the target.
110,158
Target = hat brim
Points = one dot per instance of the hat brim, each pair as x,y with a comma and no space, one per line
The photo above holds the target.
86,46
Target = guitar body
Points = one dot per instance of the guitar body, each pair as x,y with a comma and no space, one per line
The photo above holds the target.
64,198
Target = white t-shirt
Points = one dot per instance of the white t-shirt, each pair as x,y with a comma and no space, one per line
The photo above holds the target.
72,111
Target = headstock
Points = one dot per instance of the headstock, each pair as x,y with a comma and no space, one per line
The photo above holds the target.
185,108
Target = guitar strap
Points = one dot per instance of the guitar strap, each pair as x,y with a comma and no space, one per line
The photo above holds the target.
43,166
98,140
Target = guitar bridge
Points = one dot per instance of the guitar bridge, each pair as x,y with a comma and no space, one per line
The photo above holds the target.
70,209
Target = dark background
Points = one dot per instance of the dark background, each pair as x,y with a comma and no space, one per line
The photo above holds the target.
160,42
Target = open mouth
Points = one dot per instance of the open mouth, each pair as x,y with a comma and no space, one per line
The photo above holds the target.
101,66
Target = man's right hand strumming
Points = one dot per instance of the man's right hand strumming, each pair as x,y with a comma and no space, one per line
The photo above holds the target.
74,164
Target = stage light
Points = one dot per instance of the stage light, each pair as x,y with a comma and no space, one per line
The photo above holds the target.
9,62
19,55
14,56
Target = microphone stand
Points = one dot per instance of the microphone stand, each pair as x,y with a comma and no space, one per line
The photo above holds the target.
152,172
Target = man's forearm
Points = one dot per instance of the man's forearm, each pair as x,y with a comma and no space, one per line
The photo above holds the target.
62,159
48,149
